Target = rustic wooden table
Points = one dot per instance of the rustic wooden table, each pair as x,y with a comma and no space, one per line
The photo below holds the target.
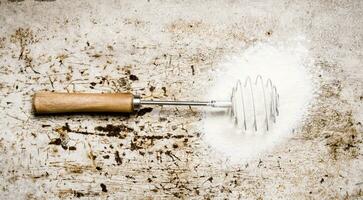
170,50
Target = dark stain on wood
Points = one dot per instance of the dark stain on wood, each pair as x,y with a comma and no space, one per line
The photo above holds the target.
133,77
103,187
55,141
114,130
164,90
135,145
66,128
24,37
78,194
269,33
72,148
118,159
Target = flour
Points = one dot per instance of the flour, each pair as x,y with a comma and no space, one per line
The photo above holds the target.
286,65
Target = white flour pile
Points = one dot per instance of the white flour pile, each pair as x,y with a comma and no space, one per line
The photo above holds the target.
286,67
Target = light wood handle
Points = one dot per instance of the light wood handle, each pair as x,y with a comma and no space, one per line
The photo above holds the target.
49,102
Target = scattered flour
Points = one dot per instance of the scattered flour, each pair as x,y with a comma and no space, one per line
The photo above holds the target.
285,64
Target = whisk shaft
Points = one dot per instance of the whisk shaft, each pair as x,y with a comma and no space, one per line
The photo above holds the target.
175,103
186,103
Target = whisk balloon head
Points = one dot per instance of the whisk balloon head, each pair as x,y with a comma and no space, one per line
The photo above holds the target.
254,104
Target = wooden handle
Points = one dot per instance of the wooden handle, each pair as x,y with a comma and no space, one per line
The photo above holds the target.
49,102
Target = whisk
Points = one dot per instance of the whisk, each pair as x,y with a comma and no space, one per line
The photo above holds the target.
248,102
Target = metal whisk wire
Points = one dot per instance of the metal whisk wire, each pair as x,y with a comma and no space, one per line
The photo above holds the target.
247,90
259,77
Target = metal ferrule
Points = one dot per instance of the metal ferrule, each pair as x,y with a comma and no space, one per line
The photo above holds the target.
136,102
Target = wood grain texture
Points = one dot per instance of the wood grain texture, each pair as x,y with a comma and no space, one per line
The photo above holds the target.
176,50
49,102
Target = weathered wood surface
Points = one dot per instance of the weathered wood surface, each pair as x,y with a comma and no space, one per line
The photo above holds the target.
169,50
